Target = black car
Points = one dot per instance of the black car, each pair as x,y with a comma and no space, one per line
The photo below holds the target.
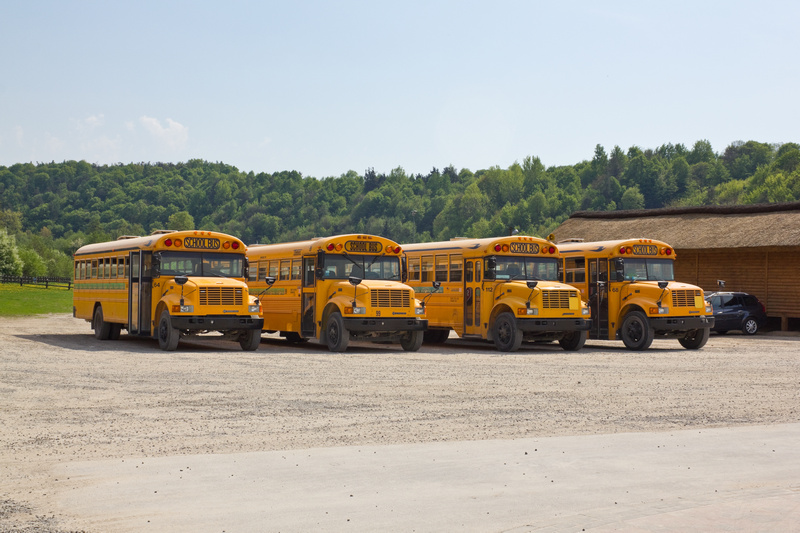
737,310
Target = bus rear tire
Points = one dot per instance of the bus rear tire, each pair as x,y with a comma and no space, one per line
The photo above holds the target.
573,341
411,341
250,340
337,336
436,336
694,340
116,329
505,333
636,332
168,336
102,329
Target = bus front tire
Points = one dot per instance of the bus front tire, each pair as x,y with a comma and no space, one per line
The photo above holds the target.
573,341
636,332
102,329
411,341
168,336
250,340
505,333
337,336
694,340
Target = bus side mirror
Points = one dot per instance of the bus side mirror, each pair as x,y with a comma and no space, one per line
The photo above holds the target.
246,268
320,270
619,268
436,285
270,280
491,268
181,280
155,267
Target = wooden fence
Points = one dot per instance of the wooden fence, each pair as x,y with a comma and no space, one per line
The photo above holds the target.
46,281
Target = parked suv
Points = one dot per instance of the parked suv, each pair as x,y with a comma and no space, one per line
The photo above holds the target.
737,310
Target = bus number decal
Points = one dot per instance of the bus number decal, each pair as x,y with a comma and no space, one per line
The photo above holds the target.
524,248
363,246
645,249
201,243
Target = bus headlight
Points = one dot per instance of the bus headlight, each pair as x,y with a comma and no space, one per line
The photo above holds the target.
419,310
528,311
355,310
586,311
659,310
253,308
183,309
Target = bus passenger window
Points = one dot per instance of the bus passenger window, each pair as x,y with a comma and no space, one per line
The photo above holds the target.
477,271
252,275
413,269
468,274
273,269
108,267
427,268
262,270
296,269
576,270
455,267
113,267
285,267
441,268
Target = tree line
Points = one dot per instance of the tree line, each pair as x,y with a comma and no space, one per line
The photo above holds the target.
48,210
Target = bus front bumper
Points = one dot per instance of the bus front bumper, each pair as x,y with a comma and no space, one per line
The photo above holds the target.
544,325
681,323
216,323
385,324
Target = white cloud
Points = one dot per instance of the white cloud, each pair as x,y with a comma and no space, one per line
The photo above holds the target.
175,135
95,121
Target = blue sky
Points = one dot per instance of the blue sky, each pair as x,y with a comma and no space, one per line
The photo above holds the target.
327,87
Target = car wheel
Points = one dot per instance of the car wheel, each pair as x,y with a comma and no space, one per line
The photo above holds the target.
750,326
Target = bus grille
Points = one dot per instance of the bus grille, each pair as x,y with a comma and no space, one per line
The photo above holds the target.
684,298
390,298
220,296
556,299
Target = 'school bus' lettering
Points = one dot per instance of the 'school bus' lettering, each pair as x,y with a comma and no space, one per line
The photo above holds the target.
168,285
630,287
504,289
336,289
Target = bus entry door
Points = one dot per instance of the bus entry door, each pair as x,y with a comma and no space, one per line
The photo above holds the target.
139,287
307,323
472,297
598,297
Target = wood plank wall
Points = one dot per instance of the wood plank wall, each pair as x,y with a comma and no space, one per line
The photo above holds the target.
772,275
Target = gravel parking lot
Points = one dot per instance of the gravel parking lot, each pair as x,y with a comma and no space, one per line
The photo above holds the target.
66,397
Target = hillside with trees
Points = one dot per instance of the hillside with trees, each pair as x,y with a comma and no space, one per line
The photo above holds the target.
48,210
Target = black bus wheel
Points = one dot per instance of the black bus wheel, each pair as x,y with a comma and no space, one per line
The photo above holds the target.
695,339
435,336
411,340
636,332
337,335
573,341
250,340
507,336
168,336
102,329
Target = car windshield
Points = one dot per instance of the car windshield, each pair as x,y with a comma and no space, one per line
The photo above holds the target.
202,264
527,268
343,266
649,270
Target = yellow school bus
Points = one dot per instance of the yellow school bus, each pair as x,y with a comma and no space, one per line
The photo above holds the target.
168,285
503,289
632,291
336,289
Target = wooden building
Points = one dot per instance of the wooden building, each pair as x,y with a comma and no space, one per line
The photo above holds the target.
753,248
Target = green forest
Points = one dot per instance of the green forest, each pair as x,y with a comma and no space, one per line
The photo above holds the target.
48,210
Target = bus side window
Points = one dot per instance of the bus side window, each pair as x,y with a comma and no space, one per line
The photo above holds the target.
455,267
576,270
427,268
252,274
262,270
468,275
296,269
477,276
285,267
413,269
441,268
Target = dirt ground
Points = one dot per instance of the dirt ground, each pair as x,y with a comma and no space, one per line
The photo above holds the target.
65,397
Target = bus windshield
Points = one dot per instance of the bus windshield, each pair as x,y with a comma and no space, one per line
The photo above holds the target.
361,266
527,268
202,264
649,270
